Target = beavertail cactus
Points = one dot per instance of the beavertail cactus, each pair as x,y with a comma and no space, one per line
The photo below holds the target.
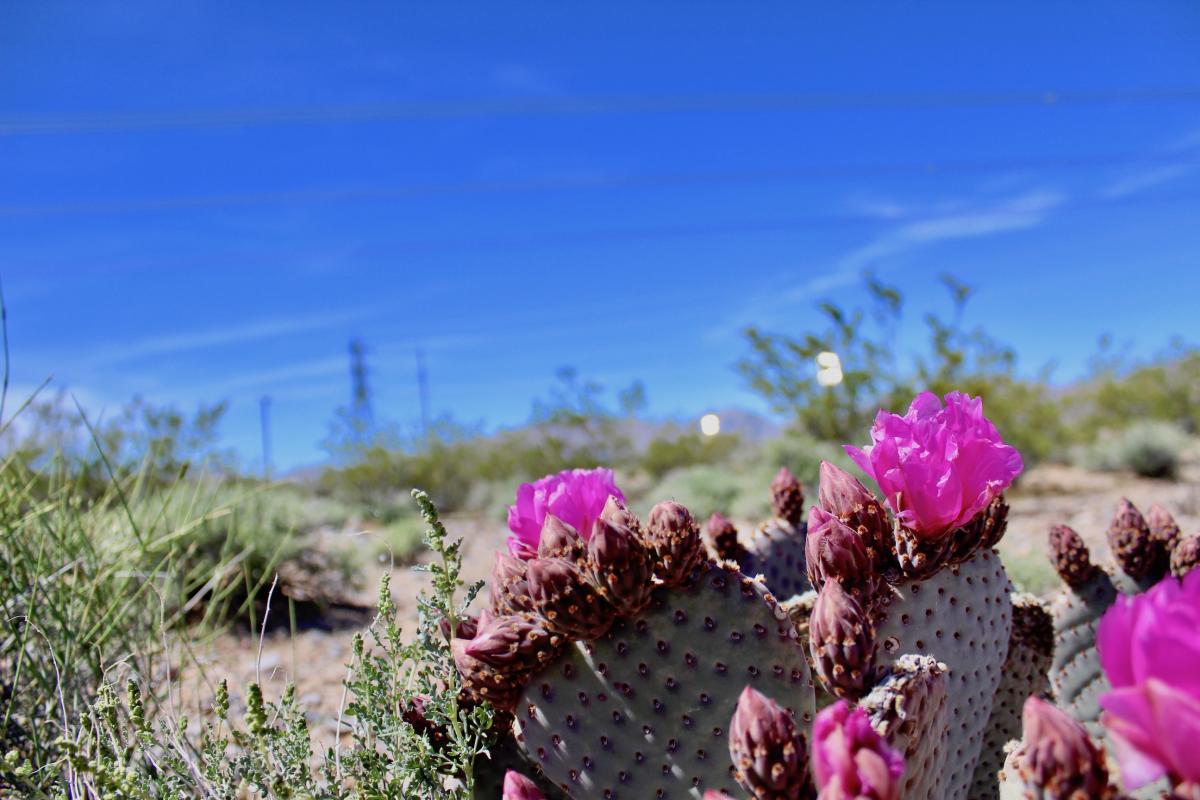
934,587
628,654
1055,760
1142,554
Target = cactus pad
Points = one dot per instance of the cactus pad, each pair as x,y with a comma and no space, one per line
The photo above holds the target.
1030,650
961,616
776,551
908,701
643,711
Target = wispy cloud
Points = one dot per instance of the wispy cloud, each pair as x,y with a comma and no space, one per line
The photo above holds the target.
949,221
1138,181
1024,211
176,343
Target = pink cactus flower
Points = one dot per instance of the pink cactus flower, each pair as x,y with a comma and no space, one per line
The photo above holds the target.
1149,646
938,466
518,787
575,496
850,760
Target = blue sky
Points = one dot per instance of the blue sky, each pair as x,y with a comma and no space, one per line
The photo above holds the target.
203,201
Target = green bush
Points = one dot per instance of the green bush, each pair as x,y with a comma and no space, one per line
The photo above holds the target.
115,748
1150,449
668,452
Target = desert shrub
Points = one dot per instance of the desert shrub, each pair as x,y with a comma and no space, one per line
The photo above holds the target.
874,374
399,695
1151,449
803,454
668,452
1165,388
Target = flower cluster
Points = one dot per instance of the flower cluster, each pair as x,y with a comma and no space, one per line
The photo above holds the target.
574,496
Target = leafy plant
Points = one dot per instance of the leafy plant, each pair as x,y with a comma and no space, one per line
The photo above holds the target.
413,736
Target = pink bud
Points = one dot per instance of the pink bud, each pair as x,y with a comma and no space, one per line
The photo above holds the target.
843,495
518,787
1057,757
566,601
1070,556
560,540
1139,554
514,640
787,496
834,551
616,513
769,752
723,537
621,567
1163,526
842,641
674,538
1185,556
850,760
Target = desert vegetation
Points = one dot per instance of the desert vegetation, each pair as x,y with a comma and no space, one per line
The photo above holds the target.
133,543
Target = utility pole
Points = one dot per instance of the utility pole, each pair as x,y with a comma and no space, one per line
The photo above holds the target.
423,394
264,419
361,416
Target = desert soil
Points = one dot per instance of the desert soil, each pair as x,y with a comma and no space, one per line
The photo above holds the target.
315,657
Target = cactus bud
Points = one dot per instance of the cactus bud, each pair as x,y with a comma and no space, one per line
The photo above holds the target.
1163,527
1056,760
1139,554
413,712
674,538
560,540
621,567
723,538
787,497
844,496
616,513
841,640
1185,556
519,641
518,787
466,627
918,556
509,588
835,551
566,601
712,794
1070,556
984,531
850,760
483,682
770,754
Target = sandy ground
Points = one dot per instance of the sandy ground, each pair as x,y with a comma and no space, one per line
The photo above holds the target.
315,658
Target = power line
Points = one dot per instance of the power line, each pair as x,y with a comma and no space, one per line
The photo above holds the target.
588,106
813,172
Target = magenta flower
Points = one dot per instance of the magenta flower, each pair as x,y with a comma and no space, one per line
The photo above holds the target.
850,760
575,496
938,466
1149,647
